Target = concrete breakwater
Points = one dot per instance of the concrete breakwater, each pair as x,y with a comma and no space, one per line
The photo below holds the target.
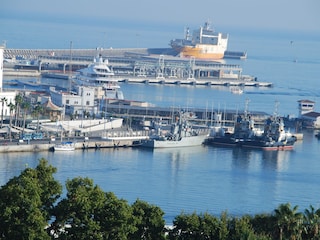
7,147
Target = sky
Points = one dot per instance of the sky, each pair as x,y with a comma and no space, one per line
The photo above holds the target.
148,23
298,15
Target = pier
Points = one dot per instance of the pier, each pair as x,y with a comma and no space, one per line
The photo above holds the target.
196,82
156,66
112,139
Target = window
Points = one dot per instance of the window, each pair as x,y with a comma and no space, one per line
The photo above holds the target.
88,103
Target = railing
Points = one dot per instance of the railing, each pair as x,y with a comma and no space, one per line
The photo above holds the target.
126,134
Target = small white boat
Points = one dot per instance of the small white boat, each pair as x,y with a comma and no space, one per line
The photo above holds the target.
64,146
236,90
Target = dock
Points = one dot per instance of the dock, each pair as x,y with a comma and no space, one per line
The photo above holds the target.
145,65
113,139
196,82
40,146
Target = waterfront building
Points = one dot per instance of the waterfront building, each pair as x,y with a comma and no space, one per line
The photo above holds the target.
76,103
305,106
51,110
307,114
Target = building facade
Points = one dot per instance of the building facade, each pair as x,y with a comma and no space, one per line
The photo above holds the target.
80,103
308,115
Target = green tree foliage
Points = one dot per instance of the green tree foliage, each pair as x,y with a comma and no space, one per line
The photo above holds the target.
185,226
148,219
29,210
209,226
26,106
289,221
3,101
37,111
25,203
223,226
206,226
51,188
311,223
75,215
115,217
240,228
263,224
18,100
193,226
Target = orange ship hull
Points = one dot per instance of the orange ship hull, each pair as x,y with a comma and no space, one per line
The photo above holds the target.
200,53
204,44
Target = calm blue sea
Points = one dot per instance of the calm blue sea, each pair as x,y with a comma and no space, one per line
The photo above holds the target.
202,178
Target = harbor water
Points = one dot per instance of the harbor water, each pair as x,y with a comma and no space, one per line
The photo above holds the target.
202,179
208,178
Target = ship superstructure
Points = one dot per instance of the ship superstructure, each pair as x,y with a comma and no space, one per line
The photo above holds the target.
98,74
204,43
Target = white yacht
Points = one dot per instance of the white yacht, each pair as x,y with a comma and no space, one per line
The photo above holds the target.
99,74
65,146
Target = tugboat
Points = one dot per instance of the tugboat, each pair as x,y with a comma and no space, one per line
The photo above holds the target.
243,129
274,137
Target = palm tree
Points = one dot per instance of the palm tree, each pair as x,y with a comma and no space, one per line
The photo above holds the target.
312,222
11,107
2,100
18,102
36,111
26,107
289,221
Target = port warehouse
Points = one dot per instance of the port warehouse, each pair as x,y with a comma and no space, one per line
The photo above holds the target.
138,62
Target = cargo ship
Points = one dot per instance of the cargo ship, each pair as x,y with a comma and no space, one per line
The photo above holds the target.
204,44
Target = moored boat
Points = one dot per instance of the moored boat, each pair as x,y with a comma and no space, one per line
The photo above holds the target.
274,137
236,90
98,73
64,146
204,44
181,134
243,128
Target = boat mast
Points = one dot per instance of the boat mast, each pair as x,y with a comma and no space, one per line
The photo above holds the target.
276,107
246,109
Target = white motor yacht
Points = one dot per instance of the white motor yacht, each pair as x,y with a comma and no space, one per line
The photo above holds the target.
99,74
